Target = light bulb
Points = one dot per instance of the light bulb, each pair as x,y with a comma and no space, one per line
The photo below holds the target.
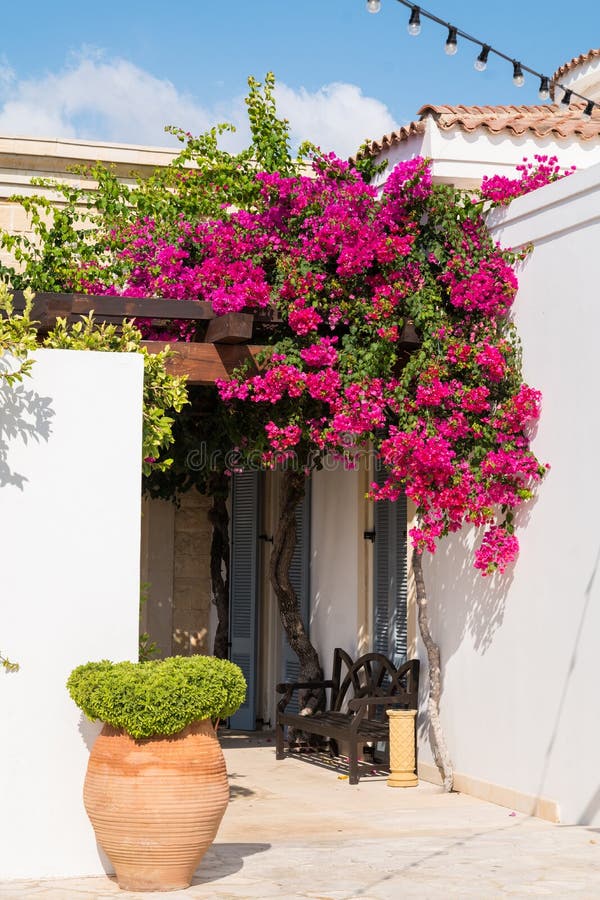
544,91
481,61
518,77
451,45
566,100
373,6
414,23
589,109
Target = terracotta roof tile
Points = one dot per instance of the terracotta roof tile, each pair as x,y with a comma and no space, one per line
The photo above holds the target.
396,137
542,121
574,63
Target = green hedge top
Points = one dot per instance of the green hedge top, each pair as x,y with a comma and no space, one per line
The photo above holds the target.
160,696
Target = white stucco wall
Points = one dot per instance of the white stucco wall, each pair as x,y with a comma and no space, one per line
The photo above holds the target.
463,158
70,455
336,562
520,651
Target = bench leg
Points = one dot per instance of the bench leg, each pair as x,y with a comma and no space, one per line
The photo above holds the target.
279,753
353,763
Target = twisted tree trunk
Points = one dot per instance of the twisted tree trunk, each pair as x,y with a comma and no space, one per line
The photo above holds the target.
293,485
218,487
438,743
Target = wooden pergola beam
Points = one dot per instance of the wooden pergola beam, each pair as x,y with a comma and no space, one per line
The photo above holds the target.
204,363
232,328
226,344
47,307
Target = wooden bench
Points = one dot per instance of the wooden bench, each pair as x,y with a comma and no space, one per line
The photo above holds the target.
358,701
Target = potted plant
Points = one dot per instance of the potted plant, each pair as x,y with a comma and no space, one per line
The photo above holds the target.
156,786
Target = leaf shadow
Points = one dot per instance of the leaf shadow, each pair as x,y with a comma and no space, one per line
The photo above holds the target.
26,418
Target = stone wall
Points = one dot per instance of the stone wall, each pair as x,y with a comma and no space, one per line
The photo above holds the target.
175,565
21,159
191,569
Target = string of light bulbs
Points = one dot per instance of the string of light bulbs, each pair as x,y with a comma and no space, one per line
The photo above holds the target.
451,46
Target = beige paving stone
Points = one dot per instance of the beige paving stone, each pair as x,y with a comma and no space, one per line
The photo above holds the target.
295,831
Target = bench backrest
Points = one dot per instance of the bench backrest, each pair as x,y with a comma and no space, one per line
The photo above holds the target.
373,675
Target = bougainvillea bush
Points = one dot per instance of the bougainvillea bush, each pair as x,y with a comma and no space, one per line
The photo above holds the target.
389,330
349,269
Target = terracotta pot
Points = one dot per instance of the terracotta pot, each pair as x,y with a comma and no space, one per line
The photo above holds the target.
156,804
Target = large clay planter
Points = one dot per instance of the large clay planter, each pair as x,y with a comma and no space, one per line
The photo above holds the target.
156,804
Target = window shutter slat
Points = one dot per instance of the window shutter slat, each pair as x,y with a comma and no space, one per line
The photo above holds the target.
244,589
390,577
300,579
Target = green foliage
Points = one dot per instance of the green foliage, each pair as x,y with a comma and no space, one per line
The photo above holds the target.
158,696
270,146
202,181
17,337
162,392
146,647
366,164
68,243
200,445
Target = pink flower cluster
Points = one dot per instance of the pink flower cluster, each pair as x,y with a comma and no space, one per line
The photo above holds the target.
321,354
497,550
349,269
532,175
486,288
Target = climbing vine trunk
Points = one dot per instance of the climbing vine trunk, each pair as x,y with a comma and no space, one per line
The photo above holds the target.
438,741
293,486
218,487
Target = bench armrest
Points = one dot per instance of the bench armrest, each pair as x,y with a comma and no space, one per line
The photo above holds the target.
389,700
360,705
288,688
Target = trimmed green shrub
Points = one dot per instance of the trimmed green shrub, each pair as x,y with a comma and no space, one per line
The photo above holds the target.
159,696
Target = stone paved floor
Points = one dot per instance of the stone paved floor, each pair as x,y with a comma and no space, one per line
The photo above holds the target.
296,830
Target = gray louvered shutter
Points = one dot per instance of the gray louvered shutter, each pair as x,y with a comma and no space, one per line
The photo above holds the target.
244,589
300,579
390,577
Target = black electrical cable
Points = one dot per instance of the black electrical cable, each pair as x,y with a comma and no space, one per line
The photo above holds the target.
518,67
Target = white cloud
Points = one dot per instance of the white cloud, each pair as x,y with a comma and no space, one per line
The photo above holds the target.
337,116
97,98
111,100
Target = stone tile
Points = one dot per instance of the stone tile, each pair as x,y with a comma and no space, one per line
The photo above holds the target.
193,519
192,543
194,500
294,831
193,594
190,632
189,567
13,218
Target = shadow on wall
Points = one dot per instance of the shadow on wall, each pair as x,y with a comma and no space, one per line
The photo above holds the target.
593,805
89,731
463,603
591,811
24,417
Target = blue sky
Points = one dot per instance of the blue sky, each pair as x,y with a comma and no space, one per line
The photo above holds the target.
120,71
